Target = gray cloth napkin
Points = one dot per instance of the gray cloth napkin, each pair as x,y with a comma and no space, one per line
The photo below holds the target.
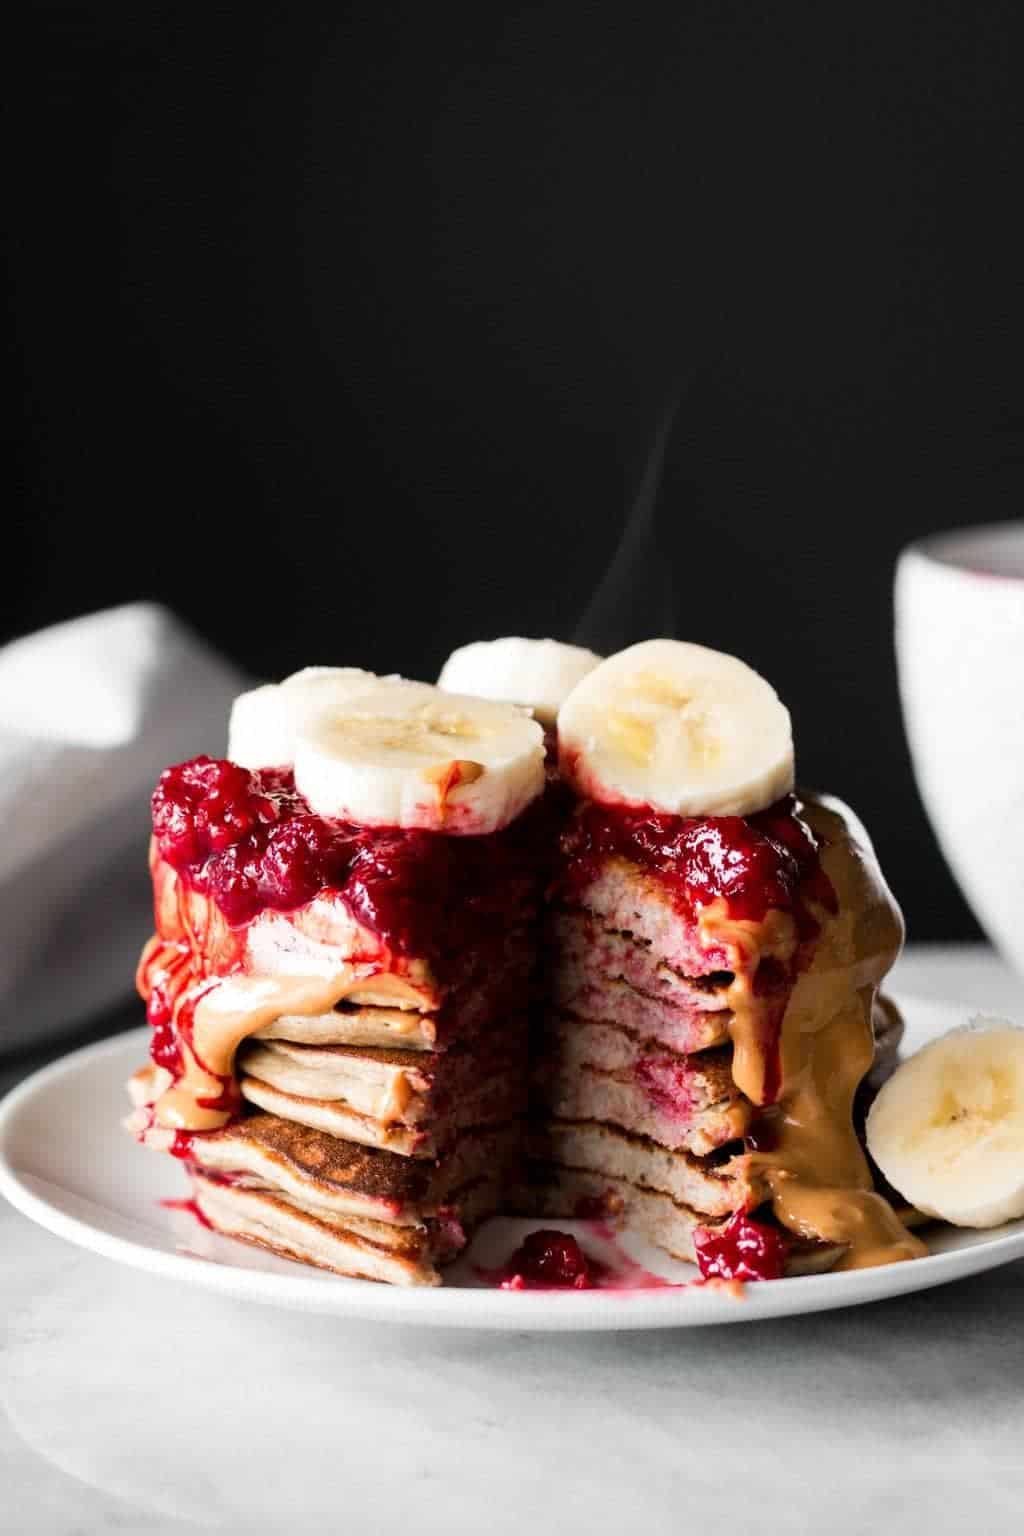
90,712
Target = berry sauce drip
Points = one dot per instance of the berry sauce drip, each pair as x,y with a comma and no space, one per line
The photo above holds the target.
191,1207
753,863
164,1046
249,841
548,1261
741,1250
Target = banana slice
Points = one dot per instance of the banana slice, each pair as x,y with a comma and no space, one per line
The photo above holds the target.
947,1129
408,755
679,728
538,673
261,732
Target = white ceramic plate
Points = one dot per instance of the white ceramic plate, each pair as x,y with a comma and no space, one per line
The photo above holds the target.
66,1163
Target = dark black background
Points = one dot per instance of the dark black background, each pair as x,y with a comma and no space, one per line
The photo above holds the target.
348,336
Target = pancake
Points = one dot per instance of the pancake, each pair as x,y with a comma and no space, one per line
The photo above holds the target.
627,898
393,1087
344,1244
616,1002
713,1187
494,1102
324,939
610,1048
588,954
389,1085
561,1193
343,1178
685,1103
388,1028
271,1222
347,1245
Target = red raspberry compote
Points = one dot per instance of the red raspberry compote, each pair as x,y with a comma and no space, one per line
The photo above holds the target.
741,1250
547,1260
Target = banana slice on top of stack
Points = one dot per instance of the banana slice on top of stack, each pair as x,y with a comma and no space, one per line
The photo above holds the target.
539,674
678,728
463,757
665,724
264,721
389,752
947,1129
408,755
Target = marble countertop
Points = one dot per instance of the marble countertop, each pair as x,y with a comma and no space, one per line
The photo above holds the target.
130,1405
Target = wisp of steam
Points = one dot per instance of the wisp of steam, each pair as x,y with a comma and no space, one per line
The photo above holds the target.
633,600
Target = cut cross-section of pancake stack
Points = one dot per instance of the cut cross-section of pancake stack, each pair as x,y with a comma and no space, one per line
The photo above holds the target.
636,1110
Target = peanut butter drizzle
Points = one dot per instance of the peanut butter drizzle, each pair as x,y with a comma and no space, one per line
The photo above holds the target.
751,1028
447,778
199,960
816,1173
233,1008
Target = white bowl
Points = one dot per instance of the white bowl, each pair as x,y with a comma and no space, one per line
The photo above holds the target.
960,650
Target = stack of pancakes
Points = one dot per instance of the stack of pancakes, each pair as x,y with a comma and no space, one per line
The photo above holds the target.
374,1137
635,1109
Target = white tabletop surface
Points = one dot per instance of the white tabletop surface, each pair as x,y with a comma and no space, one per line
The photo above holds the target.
132,1406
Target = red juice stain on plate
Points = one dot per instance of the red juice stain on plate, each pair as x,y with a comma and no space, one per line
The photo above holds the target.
626,1274
191,1207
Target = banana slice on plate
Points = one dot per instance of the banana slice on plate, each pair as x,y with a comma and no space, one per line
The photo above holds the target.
947,1129
409,755
261,732
679,728
538,673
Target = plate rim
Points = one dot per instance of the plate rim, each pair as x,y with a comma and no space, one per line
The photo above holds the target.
469,1307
